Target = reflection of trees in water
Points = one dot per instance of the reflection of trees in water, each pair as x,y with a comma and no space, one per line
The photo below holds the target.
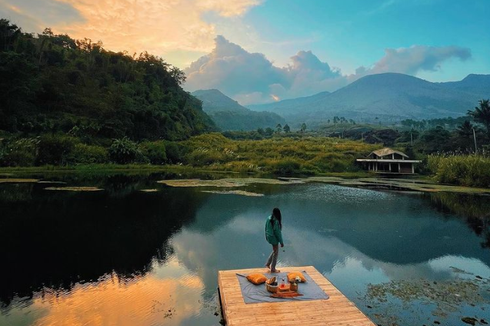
475,209
16,192
57,239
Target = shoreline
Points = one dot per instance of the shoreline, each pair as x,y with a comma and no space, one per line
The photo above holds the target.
361,179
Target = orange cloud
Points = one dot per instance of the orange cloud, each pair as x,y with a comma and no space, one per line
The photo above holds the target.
156,26
142,301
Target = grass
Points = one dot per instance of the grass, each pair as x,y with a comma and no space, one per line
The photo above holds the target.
278,155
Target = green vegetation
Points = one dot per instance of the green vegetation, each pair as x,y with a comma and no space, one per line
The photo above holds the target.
280,155
481,114
465,170
283,155
53,84
420,125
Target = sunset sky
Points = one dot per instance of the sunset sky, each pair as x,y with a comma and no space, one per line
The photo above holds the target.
260,50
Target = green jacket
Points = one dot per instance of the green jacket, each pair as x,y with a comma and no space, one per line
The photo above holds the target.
273,233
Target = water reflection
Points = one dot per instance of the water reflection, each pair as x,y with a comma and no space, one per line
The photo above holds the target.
170,296
125,257
58,239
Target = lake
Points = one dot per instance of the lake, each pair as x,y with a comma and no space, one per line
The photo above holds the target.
122,256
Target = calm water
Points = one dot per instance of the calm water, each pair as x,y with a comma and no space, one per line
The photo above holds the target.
125,257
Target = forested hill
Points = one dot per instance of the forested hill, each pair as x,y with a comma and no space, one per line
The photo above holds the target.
51,83
229,115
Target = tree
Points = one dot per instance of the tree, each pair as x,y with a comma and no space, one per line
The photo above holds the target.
465,130
303,127
9,34
286,128
481,114
278,128
465,135
435,140
269,131
48,77
123,151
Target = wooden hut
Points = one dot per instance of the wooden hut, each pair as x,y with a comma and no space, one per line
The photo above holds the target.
387,160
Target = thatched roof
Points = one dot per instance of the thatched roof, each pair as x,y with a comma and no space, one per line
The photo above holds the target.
387,151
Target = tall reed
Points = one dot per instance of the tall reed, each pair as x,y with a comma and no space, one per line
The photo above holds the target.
466,170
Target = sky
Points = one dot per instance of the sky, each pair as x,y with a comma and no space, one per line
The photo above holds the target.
258,51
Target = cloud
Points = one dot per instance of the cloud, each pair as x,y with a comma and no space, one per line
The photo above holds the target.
415,59
156,26
252,78
125,302
34,16
309,75
233,70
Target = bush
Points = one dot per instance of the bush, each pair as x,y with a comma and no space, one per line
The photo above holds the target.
286,167
202,157
173,152
124,151
465,170
88,154
22,152
154,152
55,149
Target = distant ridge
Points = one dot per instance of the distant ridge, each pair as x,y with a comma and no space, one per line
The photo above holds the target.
227,114
388,96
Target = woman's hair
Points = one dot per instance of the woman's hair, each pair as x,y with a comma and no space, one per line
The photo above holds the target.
277,214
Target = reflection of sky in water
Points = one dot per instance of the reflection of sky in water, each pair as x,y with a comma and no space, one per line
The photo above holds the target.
353,236
171,295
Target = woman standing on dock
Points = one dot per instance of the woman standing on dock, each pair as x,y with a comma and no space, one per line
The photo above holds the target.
273,235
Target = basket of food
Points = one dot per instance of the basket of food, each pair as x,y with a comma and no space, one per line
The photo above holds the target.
271,285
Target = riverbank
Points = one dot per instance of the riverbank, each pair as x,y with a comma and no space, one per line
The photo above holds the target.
147,168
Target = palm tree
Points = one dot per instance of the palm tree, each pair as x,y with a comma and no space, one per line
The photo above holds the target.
482,114
465,130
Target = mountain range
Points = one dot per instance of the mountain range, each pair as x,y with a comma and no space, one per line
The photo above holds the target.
227,114
385,97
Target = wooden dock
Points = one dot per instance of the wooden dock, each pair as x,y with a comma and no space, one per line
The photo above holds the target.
337,310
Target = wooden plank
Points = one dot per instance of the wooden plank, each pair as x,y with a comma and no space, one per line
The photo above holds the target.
336,311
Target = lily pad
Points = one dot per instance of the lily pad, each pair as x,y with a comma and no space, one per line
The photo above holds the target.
222,183
446,297
469,320
52,182
235,192
81,189
16,180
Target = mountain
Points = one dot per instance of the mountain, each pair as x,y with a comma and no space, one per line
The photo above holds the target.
214,101
389,97
473,83
227,114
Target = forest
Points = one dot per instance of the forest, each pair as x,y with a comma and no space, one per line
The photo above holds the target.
52,84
